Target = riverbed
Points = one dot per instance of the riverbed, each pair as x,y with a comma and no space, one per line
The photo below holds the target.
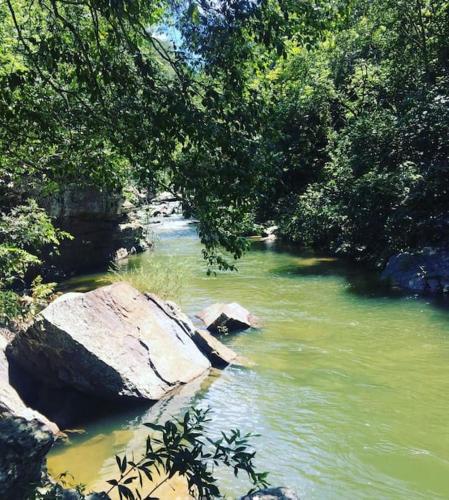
349,385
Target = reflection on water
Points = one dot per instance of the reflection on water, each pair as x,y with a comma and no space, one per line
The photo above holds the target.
349,388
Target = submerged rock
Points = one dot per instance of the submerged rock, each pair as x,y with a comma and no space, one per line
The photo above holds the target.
280,493
113,342
426,270
227,317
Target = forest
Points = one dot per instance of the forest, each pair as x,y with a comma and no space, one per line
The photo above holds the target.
328,119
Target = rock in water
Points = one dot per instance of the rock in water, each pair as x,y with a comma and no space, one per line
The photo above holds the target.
113,342
425,270
270,232
280,493
216,352
231,317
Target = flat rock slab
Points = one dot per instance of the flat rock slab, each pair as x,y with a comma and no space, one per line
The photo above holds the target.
229,317
215,351
218,354
113,342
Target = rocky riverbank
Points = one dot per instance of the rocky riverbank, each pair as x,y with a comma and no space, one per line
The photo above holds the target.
113,344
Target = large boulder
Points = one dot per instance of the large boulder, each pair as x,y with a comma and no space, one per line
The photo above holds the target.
426,270
113,342
227,317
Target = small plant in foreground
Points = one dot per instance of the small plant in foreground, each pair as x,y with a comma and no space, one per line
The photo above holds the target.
180,447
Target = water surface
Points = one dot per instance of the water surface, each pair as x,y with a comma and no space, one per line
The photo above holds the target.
349,391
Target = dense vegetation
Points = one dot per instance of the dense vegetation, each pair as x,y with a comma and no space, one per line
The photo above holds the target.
330,117
360,131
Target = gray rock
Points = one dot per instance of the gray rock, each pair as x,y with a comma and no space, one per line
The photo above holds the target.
279,493
165,196
25,437
113,342
23,444
121,254
76,495
101,223
270,232
165,209
231,317
426,270
216,352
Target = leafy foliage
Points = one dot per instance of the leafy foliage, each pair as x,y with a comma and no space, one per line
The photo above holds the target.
330,116
97,97
180,447
363,144
26,232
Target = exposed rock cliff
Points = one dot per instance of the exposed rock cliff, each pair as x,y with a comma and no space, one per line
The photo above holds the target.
104,225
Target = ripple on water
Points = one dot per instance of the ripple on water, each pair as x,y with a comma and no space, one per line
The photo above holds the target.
348,391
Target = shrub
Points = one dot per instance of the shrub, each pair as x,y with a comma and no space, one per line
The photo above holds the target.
180,447
26,232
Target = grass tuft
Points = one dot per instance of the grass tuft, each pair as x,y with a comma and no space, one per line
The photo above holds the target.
163,279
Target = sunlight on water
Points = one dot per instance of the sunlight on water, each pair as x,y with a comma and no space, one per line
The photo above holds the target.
349,391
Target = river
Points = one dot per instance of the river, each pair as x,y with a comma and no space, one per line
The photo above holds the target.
350,385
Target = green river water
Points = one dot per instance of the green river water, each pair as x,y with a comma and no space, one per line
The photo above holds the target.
349,391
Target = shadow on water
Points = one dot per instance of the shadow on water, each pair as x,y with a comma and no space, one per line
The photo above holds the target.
111,418
362,281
